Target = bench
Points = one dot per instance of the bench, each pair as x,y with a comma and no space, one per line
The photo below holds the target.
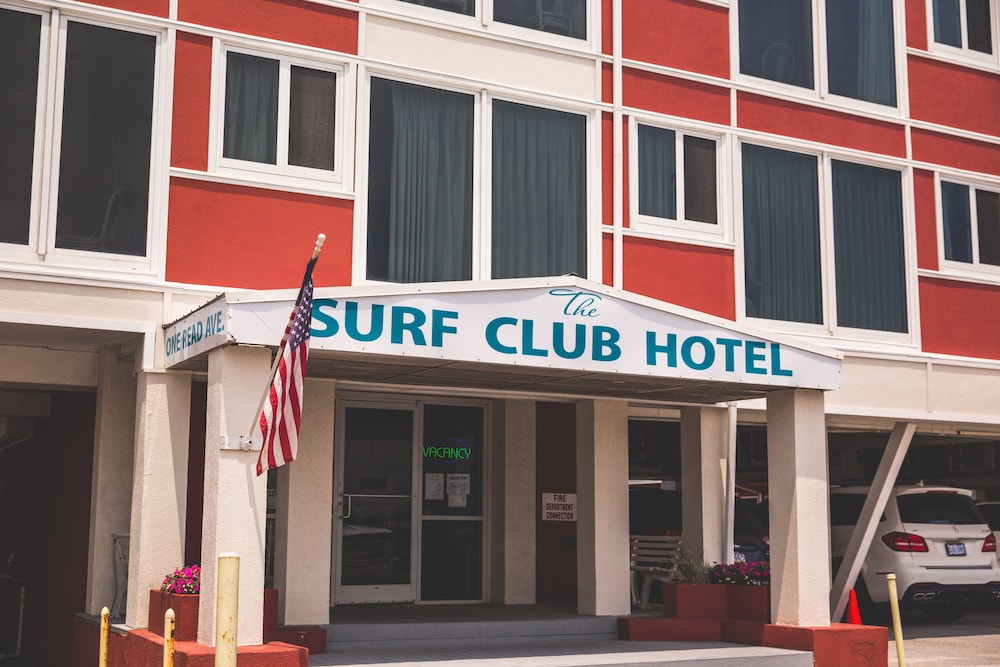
652,559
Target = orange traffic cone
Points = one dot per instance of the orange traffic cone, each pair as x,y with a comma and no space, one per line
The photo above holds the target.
853,613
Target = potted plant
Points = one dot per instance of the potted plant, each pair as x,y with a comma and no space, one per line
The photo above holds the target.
179,591
688,591
748,589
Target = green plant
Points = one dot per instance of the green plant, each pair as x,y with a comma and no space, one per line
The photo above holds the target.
187,580
689,569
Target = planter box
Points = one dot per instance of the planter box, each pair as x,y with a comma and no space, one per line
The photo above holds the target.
185,608
694,601
748,603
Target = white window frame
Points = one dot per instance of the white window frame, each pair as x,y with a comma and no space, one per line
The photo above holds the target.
680,228
482,21
821,85
482,171
828,278
281,173
974,270
41,248
963,54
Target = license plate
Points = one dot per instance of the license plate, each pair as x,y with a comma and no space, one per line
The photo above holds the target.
955,549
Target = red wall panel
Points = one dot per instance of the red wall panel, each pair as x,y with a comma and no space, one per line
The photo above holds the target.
607,169
916,24
149,7
674,96
923,196
683,34
555,472
234,236
607,259
295,21
192,101
687,275
956,96
956,152
756,112
955,315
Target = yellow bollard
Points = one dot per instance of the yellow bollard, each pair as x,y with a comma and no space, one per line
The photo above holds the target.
169,625
227,609
897,627
102,655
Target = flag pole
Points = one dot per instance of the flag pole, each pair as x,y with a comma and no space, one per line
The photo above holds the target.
249,444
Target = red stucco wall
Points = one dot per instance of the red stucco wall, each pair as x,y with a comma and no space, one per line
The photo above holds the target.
958,318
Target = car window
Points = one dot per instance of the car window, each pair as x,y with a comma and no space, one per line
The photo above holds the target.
945,508
845,508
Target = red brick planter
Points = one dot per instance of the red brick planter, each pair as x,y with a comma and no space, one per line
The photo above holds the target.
748,603
694,601
185,606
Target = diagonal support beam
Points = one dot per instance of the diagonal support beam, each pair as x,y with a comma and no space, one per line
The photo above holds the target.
864,531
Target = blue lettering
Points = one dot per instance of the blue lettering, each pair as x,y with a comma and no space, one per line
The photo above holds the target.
492,329
559,341
527,341
730,345
327,325
776,368
374,329
579,303
606,344
709,353
439,328
669,349
754,355
406,318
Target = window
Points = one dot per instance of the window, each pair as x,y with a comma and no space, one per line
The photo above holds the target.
857,57
677,180
421,206
280,117
785,242
964,24
557,17
970,223
98,197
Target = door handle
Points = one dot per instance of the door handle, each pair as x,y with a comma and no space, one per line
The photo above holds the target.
347,505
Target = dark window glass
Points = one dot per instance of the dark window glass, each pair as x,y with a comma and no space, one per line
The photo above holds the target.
700,189
860,50
451,562
776,40
942,508
20,36
980,21
251,125
957,222
657,172
991,512
106,140
311,118
988,223
539,192
781,230
419,184
452,455
947,22
845,508
868,247
563,17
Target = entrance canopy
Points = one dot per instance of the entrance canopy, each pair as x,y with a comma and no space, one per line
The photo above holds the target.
560,335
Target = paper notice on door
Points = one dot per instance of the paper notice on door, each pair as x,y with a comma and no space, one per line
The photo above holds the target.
459,486
434,486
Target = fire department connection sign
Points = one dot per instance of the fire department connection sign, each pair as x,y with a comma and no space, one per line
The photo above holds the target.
558,507
575,325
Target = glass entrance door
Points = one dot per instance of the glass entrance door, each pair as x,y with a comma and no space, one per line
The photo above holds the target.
375,500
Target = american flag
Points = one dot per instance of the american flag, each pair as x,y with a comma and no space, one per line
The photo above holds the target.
280,418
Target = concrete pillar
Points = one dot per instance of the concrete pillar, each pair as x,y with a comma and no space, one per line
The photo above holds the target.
235,497
114,455
602,527
304,510
159,486
798,492
514,497
704,434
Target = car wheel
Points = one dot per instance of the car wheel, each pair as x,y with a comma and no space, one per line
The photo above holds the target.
949,611
872,613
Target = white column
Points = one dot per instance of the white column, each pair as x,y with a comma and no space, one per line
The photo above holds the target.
111,480
235,497
602,527
159,486
304,511
704,435
514,498
798,491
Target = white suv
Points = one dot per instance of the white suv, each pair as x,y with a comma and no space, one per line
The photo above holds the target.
932,538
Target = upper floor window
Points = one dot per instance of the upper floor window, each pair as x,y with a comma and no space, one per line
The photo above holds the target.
280,117
677,182
95,196
970,225
558,17
856,59
422,188
964,24
848,273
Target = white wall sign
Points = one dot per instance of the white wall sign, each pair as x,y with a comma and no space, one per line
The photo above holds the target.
558,507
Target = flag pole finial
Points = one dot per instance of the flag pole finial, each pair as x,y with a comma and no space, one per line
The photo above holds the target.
320,240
